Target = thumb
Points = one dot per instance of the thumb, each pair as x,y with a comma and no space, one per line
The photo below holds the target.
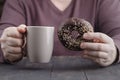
21,28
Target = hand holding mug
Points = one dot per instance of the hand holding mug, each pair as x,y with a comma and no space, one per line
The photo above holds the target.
11,43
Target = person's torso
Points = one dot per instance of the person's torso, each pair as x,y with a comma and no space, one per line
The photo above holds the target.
44,13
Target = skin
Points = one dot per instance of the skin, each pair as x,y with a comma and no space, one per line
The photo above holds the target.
61,4
101,51
12,42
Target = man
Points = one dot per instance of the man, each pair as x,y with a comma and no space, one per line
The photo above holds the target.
104,15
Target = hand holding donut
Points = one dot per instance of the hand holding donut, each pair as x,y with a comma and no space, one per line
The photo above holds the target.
102,50
77,34
71,33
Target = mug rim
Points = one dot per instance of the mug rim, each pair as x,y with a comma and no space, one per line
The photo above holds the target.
40,27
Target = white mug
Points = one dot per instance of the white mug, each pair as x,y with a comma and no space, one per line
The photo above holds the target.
40,41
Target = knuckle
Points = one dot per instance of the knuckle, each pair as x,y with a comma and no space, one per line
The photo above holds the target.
6,30
9,29
112,41
3,47
99,54
6,55
9,41
8,49
12,32
101,35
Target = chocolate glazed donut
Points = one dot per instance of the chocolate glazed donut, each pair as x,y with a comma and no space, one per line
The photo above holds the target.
71,33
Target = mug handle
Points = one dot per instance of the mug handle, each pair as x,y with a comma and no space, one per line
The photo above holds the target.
24,47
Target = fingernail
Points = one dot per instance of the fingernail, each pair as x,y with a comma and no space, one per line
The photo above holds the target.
21,28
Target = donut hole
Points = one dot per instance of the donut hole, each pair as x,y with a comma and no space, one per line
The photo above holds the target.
74,34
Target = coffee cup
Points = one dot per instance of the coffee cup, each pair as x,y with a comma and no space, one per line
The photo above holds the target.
40,42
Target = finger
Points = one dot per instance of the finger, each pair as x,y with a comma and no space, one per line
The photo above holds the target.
12,57
2,40
14,42
13,50
90,57
95,46
97,60
13,32
98,36
21,28
96,54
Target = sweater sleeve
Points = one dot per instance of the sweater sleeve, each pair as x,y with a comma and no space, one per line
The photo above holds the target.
109,20
13,15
